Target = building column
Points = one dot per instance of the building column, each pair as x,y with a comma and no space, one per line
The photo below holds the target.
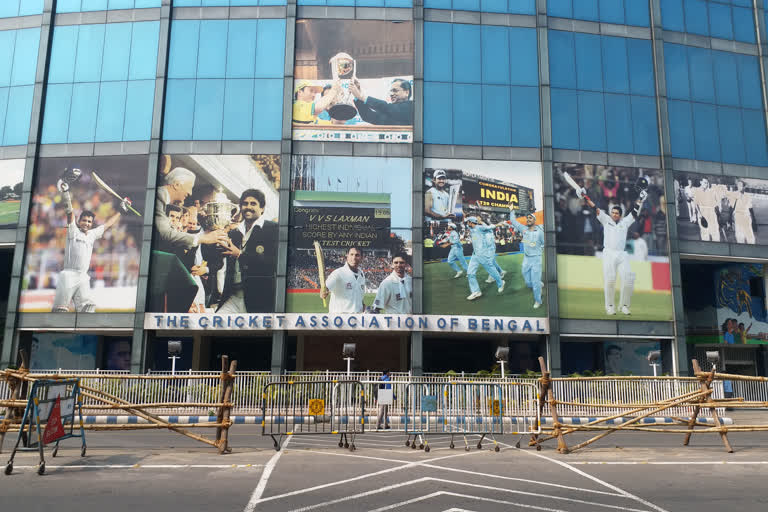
10,344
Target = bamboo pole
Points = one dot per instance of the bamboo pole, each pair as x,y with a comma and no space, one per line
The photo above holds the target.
228,382
87,391
573,428
630,422
154,405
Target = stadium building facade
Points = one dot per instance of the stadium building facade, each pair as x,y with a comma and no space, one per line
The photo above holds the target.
585,180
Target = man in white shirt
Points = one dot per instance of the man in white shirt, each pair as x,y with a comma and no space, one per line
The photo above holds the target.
744,220
615,256
707,202
395,294
437,199
73,283
346,285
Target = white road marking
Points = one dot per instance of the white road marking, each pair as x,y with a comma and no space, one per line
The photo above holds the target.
488,475
466,484
146,466
466,496
673,463
354,479
594,479
262,485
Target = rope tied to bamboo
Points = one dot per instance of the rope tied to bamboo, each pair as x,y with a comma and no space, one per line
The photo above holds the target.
545,381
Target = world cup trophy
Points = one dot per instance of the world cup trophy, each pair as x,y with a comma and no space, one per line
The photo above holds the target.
343,70
219,212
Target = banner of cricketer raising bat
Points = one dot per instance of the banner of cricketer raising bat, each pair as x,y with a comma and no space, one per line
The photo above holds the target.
613,259
84,238
483,238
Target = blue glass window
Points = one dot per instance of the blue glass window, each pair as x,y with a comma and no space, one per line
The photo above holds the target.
500,6
715,108
603,93
108,71
18,66
621,12
723,19
225,80
105,5
11,8
481,85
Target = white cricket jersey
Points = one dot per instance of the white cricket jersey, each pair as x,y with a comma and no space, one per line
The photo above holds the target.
347,290
395,295
440,200
79,247
615,234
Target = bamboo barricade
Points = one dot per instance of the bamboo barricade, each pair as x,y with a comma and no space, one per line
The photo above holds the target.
14,408
19,380
633,413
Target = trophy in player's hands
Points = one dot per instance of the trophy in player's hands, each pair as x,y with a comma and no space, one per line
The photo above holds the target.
219,212
344,71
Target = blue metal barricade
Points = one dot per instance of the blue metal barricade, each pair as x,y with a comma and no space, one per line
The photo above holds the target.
320,407
45,397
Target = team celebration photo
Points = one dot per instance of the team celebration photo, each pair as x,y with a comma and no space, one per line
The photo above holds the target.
483,238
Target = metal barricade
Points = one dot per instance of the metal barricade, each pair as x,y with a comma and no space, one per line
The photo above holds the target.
520,409
422,415
54,404
320,407
473,408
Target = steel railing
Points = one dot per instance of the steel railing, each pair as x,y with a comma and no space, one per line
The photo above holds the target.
584,397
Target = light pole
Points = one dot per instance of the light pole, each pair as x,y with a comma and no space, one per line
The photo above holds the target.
348,351
502,356
653,360
174,353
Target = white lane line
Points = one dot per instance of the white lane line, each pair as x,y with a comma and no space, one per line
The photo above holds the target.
465,496
147,466
422,480
525,480
356,478
488,475
672,463
594,479
262,485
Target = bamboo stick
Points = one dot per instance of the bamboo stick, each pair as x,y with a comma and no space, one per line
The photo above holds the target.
630,422
113,399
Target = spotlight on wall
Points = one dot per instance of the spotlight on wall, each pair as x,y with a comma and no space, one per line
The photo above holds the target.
349,350
713,357
502,356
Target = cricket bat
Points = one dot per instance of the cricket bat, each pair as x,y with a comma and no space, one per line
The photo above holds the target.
320,268
107,188
579,190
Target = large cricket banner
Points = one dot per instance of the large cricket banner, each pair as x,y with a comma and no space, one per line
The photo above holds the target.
353,81
351,216
613,258
721,208
86,260
214,248
11,178
483,238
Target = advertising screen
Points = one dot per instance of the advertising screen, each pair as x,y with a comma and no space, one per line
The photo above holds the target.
483,238
613,259
83,244
214,248
721,209
350,232
11,178
353,81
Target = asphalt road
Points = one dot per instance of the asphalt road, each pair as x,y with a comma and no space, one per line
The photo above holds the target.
162,471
